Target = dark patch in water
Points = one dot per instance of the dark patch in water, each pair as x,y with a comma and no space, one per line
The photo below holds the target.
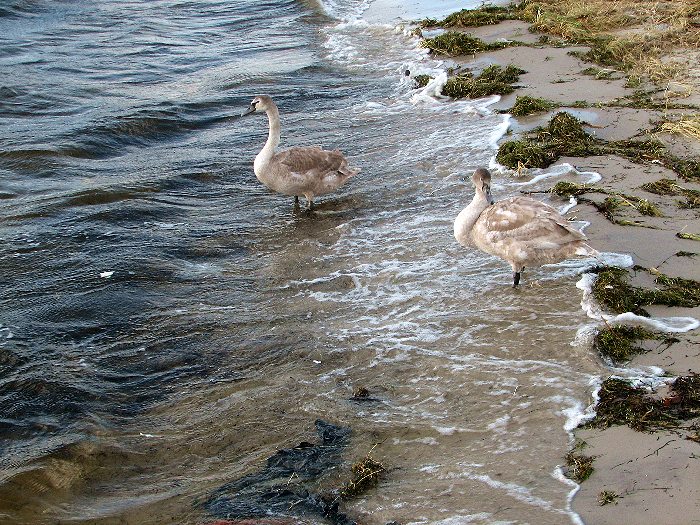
287,484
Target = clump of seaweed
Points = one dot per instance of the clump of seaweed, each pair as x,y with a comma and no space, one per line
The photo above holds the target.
610,204
482,16
688,236
579,466
526,105
687,125
621,403
608,496
453,43
422,80
492,80
686,396
618,342
599,74
688,169
612,291
564,136
366,474
671,187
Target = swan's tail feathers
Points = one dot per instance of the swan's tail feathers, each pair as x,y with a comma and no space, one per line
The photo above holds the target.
586,251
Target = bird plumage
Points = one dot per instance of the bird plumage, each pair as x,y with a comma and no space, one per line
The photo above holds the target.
520,230
303,170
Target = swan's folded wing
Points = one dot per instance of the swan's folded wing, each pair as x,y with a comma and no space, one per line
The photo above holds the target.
311,160
525,218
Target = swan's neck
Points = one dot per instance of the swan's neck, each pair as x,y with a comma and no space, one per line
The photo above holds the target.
273,140
464,223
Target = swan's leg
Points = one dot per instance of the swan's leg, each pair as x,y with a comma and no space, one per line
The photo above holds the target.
516,274
296,201
309,201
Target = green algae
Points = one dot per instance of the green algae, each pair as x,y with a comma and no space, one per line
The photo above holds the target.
671,187
688,236
453,43
422,80
621,403
599,74
608,496
366,474
611,204
579,466
482,16
612,291
618,343
564,136
493,80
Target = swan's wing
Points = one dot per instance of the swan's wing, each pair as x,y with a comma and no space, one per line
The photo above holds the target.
528,219
311,160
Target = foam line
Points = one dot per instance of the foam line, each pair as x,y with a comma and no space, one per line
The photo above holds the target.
661,324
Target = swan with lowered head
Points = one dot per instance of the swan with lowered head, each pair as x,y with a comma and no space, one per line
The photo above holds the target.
307,171
520,230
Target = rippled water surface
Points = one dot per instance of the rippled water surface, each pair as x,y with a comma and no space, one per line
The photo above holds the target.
168,324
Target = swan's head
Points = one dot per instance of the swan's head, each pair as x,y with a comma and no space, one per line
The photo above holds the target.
259,103
482,183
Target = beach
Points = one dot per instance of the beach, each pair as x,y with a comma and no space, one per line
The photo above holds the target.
651,477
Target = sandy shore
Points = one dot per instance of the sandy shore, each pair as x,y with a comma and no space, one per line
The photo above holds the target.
655,475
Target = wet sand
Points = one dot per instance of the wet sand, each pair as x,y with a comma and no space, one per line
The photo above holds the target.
655,474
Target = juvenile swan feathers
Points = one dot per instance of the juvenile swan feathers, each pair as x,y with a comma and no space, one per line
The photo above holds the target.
520,230
307,171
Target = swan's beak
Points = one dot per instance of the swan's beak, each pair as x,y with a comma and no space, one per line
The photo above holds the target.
248,111
487,192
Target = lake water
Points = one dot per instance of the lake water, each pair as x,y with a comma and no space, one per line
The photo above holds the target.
167,323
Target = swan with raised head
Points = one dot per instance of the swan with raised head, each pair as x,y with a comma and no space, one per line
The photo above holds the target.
309,170
520,230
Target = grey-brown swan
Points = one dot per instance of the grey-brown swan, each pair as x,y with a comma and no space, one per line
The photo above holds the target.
307,171
520,230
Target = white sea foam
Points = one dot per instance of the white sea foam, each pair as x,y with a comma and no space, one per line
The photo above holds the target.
661,324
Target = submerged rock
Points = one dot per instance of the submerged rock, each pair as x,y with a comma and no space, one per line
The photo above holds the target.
286,487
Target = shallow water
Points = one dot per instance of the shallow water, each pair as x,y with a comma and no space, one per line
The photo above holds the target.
231,322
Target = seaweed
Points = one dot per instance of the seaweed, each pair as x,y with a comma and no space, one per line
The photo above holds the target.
422,80
482,16
590,25
685,396
579,466
453,43
564,136
688,236
615,294
526,105
608,496
621,403
614,201
366,474
492,80
617,342
599,74
671,187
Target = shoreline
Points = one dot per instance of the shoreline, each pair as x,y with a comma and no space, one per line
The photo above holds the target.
637,477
